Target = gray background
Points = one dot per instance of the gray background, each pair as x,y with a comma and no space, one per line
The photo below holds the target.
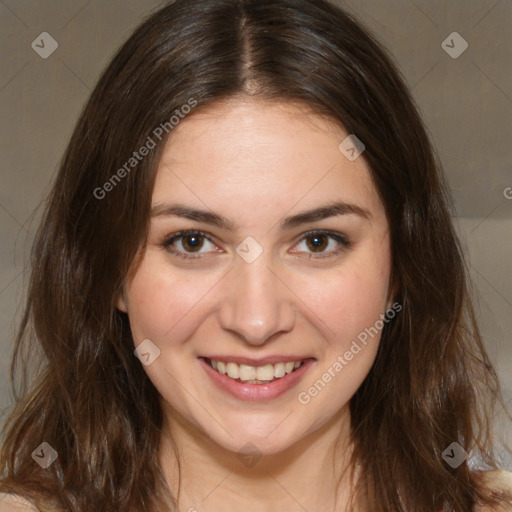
466,103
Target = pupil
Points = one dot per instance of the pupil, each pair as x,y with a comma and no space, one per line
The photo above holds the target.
317,242
192,242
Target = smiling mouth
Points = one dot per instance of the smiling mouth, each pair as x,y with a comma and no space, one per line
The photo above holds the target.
254,374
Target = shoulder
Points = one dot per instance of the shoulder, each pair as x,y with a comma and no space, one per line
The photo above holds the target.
499,480
15,503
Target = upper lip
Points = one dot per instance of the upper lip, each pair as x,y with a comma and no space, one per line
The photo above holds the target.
257,362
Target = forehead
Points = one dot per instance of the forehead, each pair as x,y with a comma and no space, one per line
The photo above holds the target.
250,153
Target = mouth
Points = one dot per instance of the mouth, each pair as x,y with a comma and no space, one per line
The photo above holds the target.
254,374
255,383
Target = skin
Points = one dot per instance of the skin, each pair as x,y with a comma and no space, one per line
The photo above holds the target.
256,163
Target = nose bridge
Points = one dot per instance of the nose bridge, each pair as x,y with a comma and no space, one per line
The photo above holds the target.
256,304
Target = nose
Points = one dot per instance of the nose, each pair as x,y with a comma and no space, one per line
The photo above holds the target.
257,304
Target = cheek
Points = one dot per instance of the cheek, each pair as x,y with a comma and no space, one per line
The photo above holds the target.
351,303
163,304
349,299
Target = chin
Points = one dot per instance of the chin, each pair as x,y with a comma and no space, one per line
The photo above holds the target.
245,442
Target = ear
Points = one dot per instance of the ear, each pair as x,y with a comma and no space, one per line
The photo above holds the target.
122,303
392,293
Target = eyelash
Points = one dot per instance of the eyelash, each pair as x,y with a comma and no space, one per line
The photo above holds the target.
338,237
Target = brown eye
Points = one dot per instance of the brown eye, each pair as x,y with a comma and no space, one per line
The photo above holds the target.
190,241
317,243
325,244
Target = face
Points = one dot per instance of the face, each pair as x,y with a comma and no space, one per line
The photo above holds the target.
285,258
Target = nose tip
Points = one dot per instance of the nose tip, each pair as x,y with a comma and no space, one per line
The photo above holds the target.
257,332
258,306
257,327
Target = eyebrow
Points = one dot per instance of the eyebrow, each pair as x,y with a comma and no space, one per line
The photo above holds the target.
323,212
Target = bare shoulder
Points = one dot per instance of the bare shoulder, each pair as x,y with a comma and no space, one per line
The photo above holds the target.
499,480
15,503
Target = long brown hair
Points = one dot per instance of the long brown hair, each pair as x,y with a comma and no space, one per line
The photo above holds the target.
432,382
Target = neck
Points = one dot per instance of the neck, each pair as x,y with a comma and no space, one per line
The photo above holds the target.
308,475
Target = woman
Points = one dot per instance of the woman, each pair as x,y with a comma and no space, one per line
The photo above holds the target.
247,286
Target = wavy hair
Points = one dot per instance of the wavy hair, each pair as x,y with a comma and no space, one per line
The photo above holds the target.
432,382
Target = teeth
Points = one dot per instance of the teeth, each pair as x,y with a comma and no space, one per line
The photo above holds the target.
265,372
246,372
255,375
279,370
233,370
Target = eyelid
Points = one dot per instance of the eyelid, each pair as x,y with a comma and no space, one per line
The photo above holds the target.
342,239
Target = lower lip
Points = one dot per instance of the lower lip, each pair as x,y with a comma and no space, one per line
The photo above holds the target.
257,392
